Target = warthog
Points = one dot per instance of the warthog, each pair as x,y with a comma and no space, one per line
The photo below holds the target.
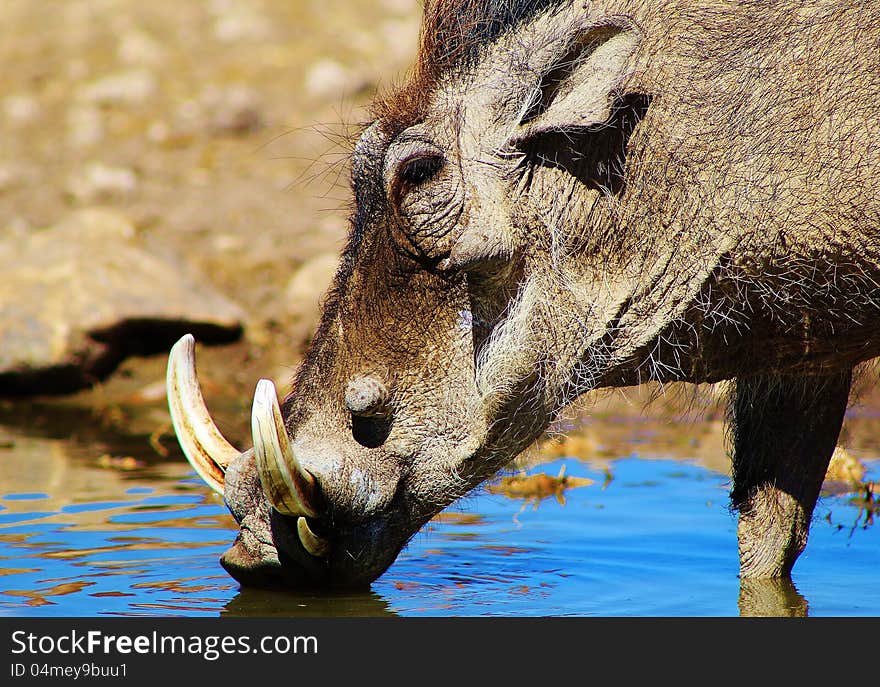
566,196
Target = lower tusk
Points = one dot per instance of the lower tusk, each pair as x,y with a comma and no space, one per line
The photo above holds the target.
203,445
315,545
288,486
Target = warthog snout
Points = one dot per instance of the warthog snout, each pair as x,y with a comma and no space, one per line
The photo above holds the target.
367,396
270,549
302,517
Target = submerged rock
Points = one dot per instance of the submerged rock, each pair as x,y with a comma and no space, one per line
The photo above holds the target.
78,298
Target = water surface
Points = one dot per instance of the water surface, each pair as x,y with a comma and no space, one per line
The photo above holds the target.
87,533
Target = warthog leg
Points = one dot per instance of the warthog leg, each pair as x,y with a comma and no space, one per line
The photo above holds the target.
784,430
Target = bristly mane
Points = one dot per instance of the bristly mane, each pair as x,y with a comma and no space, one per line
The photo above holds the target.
453,31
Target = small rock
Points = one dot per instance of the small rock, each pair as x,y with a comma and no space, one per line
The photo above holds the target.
119,462
15,227
21,109
77,298
137,47
235,21
100,182
400,6
85,126
162,133
225,243
231,110
189,111
401,37
151,393
158,131
123,88
77,70
101,224
329,79
10,177
306,289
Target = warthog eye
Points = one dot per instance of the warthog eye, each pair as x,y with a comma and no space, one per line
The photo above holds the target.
419,169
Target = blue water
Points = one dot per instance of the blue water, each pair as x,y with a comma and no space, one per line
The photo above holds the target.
657,540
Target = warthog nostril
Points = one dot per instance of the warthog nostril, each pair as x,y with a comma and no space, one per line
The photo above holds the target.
367,396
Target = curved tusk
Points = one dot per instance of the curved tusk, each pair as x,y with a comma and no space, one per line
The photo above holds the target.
203,445
315,545
288,486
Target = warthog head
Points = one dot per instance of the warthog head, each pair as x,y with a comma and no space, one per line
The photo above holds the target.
517,239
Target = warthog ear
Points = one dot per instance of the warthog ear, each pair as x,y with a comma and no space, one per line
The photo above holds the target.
579,85
570,79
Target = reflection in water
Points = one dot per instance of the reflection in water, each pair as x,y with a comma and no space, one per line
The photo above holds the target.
270,603
84,535
80,535
771,599
41,597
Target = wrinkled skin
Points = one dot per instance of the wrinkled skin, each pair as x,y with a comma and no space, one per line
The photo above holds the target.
585,197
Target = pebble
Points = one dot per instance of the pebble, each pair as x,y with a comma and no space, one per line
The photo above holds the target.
21,109
158,131
77,70
119,462
400,6
85,126
401,37
150,393
137,47
189,111
100,182
105,224
10,177
235,21
308,285
130,87
225,243
16,226
328,79
231,110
